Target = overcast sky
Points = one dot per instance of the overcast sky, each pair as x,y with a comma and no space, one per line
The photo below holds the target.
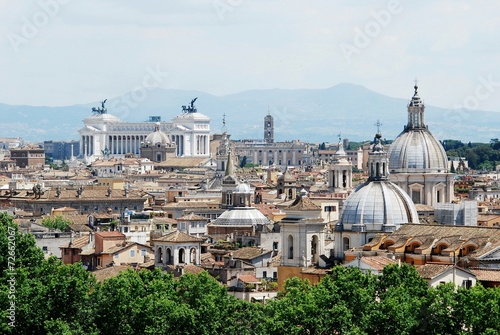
65,52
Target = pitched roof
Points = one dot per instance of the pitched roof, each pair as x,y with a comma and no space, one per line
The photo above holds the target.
486,238
190,268
249,253
178,237
249,279
303,204
109,272
432,270
77,243
110,234
486,274
377,262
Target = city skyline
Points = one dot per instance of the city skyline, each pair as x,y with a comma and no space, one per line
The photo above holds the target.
59,53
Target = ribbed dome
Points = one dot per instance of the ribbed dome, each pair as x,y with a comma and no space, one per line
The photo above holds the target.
241,216
417,150
157,137
379,202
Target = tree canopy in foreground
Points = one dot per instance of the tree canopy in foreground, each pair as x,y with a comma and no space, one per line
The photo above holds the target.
54,298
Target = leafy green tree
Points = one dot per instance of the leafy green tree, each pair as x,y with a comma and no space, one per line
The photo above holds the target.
478,308
438,311
400,292
57,222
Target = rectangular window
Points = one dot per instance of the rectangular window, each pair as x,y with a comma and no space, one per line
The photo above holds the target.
132,253
264,274
143,252
117,255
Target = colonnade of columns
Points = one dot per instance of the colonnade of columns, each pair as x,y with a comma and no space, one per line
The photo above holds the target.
179,142
202,144
87,145
165,255
123,144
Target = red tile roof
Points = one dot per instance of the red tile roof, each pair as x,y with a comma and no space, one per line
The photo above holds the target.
486,274
249,279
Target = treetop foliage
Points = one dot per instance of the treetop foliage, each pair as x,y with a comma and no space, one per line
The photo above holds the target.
54,298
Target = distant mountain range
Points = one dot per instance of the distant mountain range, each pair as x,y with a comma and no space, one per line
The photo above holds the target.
311,115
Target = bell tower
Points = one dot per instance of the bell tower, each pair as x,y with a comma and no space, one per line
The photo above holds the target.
268,129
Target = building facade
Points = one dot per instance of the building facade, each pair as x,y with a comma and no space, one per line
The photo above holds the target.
104,134
27,157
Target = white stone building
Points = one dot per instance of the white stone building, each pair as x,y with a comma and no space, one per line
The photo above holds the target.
105,134
176,249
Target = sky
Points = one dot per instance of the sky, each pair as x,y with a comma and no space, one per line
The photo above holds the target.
66,52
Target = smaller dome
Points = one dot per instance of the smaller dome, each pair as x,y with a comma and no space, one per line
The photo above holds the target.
243,188
158,136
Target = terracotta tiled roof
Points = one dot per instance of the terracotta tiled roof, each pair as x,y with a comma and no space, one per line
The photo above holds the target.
318,271
112,271
78,243
249,279
110,234
432,270
486,274
249,253
303,204
190,268
159,219
377,262
178,237
487,238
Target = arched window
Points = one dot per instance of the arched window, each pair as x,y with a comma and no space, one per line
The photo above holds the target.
169,256
345,242
182,256
412,246
290,247
193,256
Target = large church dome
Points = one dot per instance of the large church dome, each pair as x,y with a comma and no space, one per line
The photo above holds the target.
416,149
378,204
